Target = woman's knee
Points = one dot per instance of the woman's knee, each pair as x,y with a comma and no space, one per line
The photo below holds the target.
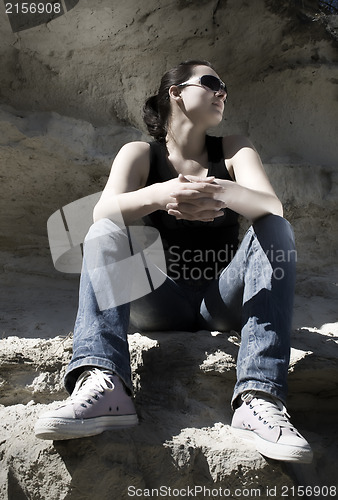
105,243
276,237
274,228
101,228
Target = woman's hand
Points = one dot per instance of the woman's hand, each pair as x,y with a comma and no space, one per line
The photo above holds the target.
195,198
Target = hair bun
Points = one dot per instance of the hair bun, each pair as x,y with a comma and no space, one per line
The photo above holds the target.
152,118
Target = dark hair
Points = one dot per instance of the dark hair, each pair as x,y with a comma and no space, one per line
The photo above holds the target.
156,109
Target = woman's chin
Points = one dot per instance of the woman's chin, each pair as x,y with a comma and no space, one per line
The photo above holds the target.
216,120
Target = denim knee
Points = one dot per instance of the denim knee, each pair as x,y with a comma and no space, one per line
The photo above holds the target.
102,227
271,221
274,231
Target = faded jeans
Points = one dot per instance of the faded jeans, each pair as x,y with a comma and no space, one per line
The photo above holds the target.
253,295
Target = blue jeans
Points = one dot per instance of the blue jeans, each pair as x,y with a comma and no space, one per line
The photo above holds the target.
253,295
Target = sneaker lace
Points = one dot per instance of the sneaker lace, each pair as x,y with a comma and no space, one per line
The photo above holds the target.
270,410
90,385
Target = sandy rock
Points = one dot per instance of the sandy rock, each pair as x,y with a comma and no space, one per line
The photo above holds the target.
100,63
183,437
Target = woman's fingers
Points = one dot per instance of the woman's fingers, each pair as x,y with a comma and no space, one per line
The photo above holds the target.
201,209
196,198
204,216
196,205
197,190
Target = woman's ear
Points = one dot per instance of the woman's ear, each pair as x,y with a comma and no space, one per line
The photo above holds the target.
174,92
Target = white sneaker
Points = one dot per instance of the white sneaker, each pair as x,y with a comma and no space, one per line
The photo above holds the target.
98,403
263,419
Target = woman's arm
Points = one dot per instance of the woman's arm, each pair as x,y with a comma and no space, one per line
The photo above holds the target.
126,194
251,195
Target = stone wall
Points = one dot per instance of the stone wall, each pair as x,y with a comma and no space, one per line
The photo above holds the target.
100,63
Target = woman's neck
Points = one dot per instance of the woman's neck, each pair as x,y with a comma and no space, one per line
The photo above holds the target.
186,141
187,150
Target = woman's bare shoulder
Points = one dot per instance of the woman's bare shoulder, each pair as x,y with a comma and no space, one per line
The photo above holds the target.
130,167
135,148
234,143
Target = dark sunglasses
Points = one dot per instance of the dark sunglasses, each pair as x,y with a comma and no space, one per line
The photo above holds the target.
211,82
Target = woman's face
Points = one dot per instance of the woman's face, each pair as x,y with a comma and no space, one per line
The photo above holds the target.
200,103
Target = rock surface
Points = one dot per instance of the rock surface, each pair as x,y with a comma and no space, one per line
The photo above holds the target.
183,439
71,95
100,63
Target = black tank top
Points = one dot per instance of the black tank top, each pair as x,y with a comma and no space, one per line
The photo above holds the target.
194,250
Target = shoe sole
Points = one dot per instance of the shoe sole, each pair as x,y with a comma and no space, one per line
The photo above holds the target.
287,453
62,428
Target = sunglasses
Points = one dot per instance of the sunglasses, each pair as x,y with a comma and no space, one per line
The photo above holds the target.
209,81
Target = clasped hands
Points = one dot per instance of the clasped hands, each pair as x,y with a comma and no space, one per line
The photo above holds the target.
197,198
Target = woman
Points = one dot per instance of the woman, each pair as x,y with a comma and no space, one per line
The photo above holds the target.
191,188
